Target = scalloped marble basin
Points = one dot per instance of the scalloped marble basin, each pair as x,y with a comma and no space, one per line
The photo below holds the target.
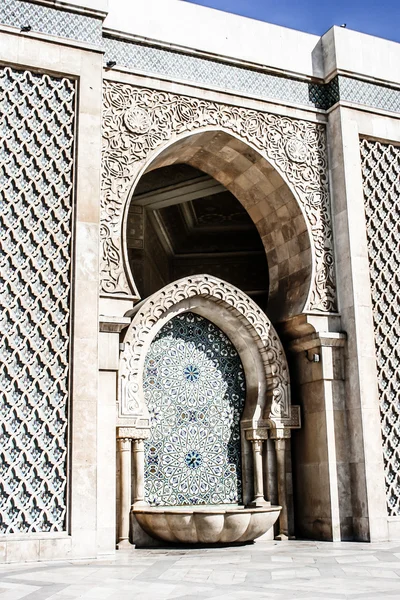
205,524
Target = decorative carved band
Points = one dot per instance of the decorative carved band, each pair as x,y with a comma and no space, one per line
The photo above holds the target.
257,434
255,320
132,433
137,121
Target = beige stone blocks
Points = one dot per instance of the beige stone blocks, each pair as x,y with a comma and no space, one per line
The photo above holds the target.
269,201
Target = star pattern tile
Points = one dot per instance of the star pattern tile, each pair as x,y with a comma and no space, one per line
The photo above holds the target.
195,391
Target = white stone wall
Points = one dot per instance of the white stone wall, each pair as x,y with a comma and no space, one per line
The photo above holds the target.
340,454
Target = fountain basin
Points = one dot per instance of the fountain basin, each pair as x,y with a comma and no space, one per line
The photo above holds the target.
205,524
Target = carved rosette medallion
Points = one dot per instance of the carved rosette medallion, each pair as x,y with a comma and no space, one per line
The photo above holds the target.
296,150
138,121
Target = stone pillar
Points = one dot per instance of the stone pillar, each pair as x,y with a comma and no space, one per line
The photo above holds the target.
106,441
369,512
258,473
124,450
270,483
138,469
321,447
280,448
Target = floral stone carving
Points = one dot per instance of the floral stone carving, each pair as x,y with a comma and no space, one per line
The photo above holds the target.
137,121
140,334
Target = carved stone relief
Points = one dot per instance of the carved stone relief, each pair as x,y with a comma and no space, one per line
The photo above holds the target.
138,121
142,330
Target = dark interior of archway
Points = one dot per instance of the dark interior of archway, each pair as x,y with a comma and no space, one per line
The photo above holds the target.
182,222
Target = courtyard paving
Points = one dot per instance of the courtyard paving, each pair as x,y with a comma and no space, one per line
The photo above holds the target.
278,570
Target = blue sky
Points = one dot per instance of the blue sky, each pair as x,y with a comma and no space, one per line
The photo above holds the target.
376,17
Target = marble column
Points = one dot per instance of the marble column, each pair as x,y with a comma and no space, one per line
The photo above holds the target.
258,473
124,451
280,447
138,469
257,437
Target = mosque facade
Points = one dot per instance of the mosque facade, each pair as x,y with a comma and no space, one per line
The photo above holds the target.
200,280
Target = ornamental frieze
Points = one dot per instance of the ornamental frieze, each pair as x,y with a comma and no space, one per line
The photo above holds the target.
138,121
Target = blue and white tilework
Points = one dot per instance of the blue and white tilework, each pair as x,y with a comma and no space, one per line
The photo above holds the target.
51,21
194,388
205,71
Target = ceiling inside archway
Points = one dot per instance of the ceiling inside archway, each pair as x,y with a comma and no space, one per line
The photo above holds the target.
196,213
193,224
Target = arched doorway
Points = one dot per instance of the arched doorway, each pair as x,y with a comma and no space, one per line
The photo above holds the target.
224,169
194,389
275,166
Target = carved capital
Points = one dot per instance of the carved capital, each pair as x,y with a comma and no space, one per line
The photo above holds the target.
257,445
256,434
132,433
280,444
280,434
124,444
138,445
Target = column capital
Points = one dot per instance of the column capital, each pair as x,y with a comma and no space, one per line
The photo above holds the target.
257,445
138,442
124,443
258,434
280,434
133,433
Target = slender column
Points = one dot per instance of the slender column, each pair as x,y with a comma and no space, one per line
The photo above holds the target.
138,468
258,473
124,447
272,485
280,447
256,437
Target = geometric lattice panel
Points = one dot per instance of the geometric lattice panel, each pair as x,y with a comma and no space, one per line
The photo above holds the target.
195,392
51,21
381,181
208,72
218,74
369,94
36,193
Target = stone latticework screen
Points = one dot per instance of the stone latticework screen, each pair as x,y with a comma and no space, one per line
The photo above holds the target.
381,179
36,192
195,392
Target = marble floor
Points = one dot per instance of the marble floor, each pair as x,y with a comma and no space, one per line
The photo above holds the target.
265,570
